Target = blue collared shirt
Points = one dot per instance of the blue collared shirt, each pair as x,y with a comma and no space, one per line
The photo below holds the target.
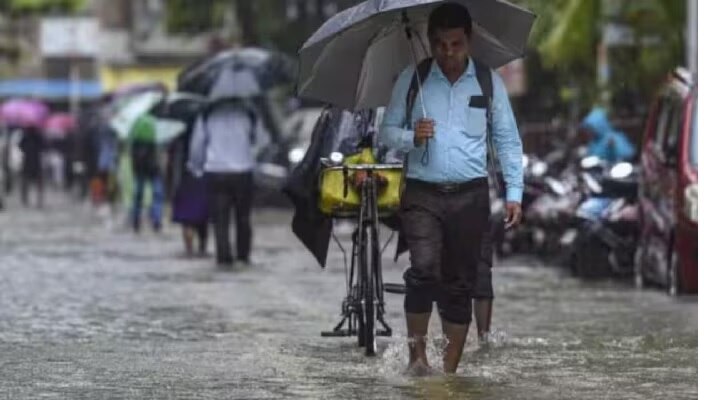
458,151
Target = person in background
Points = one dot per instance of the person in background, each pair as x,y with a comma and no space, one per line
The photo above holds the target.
606,142
483,290
32,147
190,196
107,148
146,170
221,148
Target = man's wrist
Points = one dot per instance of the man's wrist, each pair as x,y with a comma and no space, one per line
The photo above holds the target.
409,140
514,195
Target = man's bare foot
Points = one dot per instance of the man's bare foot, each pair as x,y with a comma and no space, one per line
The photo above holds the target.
419,369
484,340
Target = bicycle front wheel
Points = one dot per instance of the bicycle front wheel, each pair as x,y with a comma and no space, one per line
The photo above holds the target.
369,295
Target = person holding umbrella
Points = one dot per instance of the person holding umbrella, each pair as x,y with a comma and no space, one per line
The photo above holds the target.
445,206
222,149
137,121
222,146
189,194
28,116
360,59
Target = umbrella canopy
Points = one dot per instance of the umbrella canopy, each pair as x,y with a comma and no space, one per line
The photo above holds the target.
183,106
59,125
353,60
133,120
246,72
131,108
23,113
150,129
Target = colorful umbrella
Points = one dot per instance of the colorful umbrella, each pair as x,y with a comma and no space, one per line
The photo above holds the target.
134,121
23,113
131,108
59,125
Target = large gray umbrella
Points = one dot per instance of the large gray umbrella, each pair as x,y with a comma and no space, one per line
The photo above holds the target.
353,60
245,72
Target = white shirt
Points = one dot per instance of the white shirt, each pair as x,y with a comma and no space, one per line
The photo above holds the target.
222,143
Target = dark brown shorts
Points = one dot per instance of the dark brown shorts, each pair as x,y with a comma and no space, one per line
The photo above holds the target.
444,229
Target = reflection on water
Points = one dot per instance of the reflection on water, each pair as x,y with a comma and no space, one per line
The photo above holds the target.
94,312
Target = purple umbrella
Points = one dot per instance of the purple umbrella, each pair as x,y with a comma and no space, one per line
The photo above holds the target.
23,113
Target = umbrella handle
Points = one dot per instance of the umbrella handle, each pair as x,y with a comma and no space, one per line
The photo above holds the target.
425,159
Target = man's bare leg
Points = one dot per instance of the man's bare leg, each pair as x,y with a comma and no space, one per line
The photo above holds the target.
456,335
188,240
482,314
417,325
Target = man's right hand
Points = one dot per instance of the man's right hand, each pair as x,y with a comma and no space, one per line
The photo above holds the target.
425,129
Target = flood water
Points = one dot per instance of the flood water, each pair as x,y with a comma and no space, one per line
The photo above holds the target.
90,311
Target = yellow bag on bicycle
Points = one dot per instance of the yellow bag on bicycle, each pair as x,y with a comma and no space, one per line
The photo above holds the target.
333,200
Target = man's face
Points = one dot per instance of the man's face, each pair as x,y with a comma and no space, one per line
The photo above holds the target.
450,49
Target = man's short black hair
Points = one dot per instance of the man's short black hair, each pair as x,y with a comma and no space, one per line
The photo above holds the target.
449,16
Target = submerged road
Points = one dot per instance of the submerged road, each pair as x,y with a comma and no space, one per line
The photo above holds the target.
90,311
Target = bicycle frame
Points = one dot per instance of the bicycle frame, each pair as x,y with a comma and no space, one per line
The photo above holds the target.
364,305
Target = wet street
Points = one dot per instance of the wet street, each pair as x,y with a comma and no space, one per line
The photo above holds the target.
90,311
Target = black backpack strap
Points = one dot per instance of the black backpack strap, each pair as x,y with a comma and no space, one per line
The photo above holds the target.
486,83
423,69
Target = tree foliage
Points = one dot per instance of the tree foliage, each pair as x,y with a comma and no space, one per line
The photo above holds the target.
182,17
567,34
41,6
260,22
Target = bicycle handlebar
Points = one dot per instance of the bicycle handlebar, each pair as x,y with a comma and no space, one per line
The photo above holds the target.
366,167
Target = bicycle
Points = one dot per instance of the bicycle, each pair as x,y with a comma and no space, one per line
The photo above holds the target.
364,304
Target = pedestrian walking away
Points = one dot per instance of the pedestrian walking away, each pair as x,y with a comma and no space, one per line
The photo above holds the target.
32,146
189,193
221,148
147,171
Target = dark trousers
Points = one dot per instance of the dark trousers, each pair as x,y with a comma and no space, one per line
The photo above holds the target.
232,191
444,230
483,284
32,178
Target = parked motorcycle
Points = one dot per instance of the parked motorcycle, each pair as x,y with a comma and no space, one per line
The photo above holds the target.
548,203
605,225
519,239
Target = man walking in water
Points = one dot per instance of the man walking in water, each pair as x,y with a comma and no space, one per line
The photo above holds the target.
445,206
